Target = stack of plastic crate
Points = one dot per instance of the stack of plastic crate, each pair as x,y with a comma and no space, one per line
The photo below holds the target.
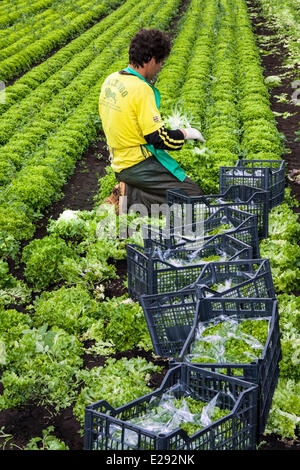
173,320
154,271
181,286
239,224
247,198
263,174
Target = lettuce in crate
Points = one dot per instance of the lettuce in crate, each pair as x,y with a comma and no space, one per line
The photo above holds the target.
228,339
168,413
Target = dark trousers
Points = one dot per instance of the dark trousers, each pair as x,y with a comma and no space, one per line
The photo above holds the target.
148,181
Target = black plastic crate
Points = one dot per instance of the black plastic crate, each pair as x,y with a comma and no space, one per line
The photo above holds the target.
193,209
243,227
170,318
108,428
246,278
264,174
263,371
151,272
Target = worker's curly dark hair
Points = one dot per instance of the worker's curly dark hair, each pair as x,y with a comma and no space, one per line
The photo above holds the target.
148,43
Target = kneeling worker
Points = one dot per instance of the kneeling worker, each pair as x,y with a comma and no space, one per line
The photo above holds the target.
135,134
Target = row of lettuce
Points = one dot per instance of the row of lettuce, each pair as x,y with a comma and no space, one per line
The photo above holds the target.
50,128
41,355
67,270
232,100
23,32
11,12
25,44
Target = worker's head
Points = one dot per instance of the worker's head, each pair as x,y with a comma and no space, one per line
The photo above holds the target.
149,47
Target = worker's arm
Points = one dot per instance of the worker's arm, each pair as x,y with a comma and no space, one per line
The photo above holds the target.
172,140
166,139
152,126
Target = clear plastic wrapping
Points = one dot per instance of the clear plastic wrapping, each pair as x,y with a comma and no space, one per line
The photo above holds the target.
237,200
232,281
167,413
189,258
228,339
197,232
222,286
257,172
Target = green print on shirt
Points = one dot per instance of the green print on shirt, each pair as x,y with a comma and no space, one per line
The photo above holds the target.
119,85
110,94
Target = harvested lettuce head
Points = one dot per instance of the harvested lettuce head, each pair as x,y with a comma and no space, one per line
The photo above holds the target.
68,215
68,225
204,151
180,118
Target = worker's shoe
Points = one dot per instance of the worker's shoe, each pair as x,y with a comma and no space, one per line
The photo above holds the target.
117,198
113,199
122,207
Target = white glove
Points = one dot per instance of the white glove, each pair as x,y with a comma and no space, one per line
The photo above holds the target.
191,133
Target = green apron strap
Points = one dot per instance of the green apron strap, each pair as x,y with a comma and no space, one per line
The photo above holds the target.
162,156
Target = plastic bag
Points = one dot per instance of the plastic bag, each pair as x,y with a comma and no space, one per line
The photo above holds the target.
190,258
168,412
236,172
222,340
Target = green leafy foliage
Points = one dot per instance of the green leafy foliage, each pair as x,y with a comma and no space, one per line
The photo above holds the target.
43,259
126,326
289,315
281,247
119,382
69,26
12,291
12,325
46,442
172,413
52,259
107,183
285,263
40,366
69,225
285,411
196,408
284,224
71,308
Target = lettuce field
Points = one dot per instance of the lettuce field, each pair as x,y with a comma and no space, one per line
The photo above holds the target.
70,334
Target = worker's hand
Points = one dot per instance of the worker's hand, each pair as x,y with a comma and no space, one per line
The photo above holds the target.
191,133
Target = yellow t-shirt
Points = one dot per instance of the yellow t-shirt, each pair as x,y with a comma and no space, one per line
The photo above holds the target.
128,112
